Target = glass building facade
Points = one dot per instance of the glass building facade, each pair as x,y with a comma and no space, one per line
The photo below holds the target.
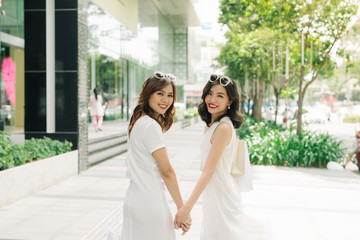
120,59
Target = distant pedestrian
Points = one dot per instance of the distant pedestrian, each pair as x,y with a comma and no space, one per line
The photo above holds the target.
96,110
221,200
269,116
146,213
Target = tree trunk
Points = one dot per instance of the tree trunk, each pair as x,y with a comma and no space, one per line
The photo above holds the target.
258,102
300,102
242,102
299,114
277,95
248,109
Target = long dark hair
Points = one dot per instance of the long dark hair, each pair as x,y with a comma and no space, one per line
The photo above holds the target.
96,93
233,113
150,86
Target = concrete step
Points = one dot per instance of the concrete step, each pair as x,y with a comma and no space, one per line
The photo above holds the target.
105,138
101,149
107,143
185,123
106,154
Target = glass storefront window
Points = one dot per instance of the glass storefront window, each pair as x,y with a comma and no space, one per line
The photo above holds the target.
12,65
120,61
8,87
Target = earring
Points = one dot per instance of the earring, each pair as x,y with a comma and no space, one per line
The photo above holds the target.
229,107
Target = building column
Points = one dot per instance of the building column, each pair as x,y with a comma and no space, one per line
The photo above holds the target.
83,85
50,66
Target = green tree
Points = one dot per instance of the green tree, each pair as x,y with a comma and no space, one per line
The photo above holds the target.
320,25
255,51
245,58
309,28
349,53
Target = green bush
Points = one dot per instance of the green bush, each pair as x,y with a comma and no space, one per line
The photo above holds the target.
354,118
193,111
12,154
112,117
180,110
250,126
188,116
274,145
46,147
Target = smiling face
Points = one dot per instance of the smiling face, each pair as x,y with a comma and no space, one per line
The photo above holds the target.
161,100
217,101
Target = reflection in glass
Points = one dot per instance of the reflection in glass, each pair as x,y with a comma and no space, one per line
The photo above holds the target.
120,61
12,17
8,75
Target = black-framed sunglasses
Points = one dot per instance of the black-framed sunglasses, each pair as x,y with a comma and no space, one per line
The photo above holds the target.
224,81
160,75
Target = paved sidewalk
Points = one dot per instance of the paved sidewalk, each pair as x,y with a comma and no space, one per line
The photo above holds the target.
287,203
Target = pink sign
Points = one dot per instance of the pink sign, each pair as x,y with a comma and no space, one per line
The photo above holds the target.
8,74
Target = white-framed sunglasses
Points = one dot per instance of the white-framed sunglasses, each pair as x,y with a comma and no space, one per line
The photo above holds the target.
224,81
160,75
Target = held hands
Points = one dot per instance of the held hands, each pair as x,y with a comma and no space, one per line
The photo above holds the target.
183,220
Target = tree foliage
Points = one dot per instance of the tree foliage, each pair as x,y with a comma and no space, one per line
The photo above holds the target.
309,29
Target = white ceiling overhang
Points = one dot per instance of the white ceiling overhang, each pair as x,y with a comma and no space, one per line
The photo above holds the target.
179,13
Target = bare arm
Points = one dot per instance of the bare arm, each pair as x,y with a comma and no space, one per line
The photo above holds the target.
168,175
221,137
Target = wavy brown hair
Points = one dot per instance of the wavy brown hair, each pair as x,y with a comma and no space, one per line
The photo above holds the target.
150,86
233,113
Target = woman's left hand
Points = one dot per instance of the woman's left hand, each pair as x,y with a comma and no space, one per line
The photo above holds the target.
186,226
182,217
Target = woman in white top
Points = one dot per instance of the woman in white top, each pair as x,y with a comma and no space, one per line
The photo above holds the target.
146,213
221,200
96,110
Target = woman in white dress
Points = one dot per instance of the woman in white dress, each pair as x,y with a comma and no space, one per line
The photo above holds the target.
96,110
146,213
221,201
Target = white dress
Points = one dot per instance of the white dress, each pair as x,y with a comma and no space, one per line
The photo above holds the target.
96,108
146,213
221,201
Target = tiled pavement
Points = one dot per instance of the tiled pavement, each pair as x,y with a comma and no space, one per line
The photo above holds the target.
287,203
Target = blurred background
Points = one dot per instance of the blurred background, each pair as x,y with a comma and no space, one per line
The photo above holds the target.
296,64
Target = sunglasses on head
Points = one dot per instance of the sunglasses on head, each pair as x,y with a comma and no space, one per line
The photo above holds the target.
161,75
224,81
